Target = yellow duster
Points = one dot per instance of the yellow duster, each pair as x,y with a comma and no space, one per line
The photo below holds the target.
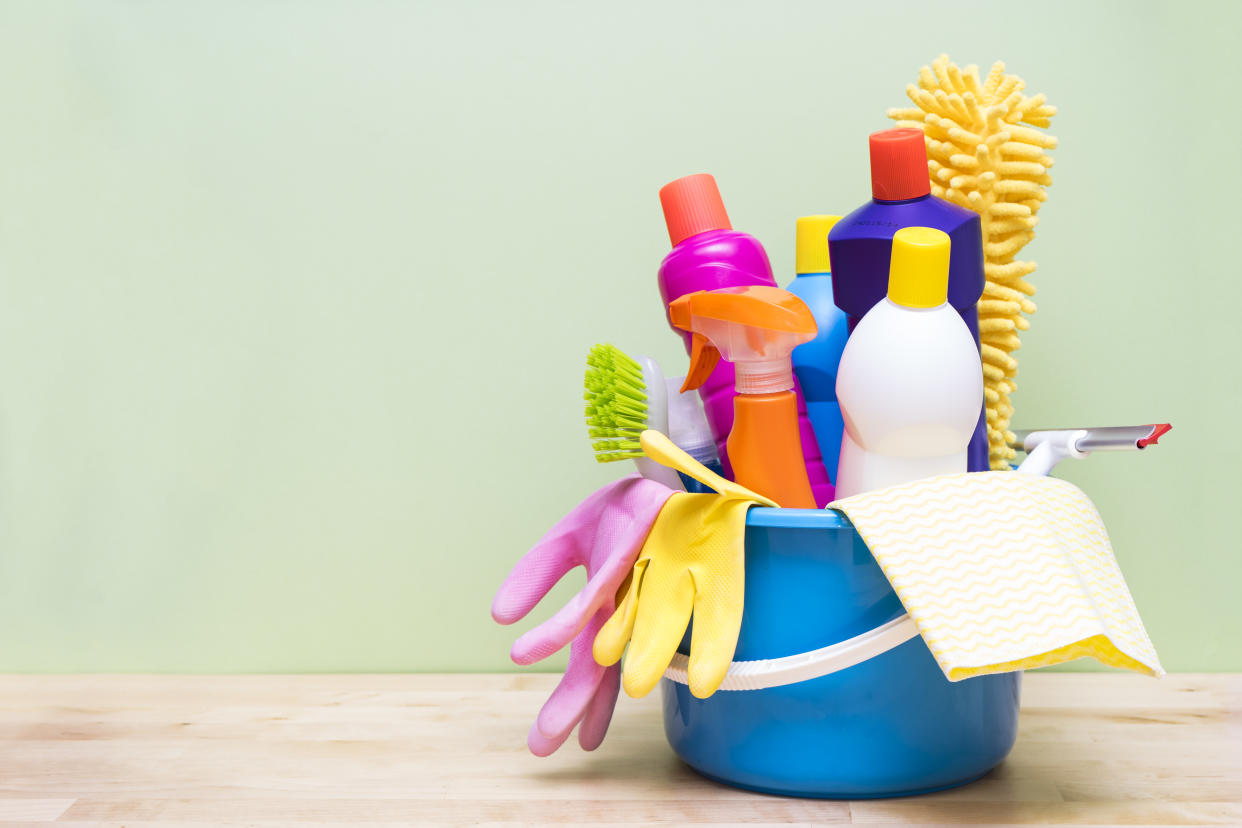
986,153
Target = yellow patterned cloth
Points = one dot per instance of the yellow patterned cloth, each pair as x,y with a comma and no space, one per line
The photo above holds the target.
1003,571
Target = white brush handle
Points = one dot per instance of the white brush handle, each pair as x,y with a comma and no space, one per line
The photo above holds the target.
657,419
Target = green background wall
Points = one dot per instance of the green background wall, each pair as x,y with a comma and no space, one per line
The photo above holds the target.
294,297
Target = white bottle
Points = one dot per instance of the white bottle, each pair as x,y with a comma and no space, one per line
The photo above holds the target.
910,381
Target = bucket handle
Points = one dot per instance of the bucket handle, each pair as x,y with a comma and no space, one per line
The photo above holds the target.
777,672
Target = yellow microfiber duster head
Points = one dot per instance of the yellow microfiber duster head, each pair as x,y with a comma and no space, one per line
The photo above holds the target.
986,152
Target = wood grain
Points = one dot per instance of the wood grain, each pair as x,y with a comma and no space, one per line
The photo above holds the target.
1093,749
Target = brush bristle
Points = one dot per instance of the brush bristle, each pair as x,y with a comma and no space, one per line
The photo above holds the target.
616,403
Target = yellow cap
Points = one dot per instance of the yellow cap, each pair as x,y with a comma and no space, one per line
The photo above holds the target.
811,252
918,273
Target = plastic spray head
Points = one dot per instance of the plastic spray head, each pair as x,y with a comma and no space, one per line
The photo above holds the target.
754,327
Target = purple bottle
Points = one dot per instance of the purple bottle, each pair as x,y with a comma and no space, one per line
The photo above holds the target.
860,245
709,254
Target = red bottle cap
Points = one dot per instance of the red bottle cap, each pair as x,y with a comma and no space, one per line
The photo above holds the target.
692,205
899,165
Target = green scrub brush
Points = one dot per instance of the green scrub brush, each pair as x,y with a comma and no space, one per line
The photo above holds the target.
624,398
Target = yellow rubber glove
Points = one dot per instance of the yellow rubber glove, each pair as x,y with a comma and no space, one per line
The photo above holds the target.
691,563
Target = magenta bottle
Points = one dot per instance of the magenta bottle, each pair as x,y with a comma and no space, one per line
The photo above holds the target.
709,254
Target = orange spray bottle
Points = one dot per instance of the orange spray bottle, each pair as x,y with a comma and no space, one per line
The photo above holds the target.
756,328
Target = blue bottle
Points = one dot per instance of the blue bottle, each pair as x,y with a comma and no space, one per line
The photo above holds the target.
862,244
815,362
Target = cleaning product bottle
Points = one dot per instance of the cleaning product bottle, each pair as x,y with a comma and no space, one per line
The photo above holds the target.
910,381
709,254
815,362
688,429
861,243
756,329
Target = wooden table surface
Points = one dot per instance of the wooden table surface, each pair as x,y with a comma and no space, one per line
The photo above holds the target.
450,749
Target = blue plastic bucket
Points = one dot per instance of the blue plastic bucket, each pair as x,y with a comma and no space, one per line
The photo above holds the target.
890,726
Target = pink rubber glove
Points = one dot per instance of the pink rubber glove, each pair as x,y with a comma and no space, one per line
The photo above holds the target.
604,533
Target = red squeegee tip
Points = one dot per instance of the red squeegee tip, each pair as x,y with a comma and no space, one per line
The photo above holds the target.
1157,431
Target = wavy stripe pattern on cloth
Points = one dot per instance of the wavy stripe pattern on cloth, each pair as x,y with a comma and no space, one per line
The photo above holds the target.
1003,571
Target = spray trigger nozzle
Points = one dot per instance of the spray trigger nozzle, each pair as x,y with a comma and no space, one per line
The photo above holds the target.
755,327
703,359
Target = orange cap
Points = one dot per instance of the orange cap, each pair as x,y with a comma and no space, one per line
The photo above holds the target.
692,205
899,164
